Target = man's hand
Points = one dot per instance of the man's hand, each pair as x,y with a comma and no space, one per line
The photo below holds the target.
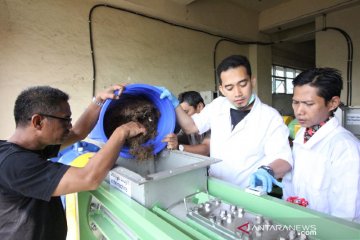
262,178
132,129
171,140
112,92
165,93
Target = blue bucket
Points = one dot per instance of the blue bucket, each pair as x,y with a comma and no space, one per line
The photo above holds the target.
166,123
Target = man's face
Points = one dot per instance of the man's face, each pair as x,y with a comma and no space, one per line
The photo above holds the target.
190,110
237,86
58,127
309,108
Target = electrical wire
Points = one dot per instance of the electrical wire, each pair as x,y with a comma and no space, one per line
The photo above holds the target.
222,39
349,57
349,63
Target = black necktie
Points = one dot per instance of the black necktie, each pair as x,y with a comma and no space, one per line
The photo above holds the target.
237,116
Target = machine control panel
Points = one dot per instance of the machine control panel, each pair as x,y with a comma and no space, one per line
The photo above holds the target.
234,222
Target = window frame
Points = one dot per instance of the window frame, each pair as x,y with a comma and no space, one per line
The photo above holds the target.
283,80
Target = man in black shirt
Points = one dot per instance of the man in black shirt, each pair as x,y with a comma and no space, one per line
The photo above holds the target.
30,185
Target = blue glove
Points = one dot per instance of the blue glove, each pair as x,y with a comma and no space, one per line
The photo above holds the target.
167,94
262,178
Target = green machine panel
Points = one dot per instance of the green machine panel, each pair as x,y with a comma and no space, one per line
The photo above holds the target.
108,213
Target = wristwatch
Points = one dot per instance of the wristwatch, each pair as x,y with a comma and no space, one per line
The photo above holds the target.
268,169
181,147
100,104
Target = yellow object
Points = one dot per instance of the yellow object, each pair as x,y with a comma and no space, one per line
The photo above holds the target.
296,128
72,213
287,119
82,160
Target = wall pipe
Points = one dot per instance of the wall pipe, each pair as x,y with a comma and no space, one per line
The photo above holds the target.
349,63
222,39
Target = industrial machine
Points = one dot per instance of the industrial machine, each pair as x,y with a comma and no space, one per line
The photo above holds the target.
351,119
172,197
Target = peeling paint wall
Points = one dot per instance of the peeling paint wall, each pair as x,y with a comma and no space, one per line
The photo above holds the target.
46,42
331,47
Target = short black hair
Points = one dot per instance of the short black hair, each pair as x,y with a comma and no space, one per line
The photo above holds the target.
233,61
328,81
38,99
193,98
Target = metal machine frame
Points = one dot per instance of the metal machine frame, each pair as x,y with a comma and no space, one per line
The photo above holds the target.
131,220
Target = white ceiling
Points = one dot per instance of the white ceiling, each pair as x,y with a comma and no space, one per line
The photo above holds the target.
258,5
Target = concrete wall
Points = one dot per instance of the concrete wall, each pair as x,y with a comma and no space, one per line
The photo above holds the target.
292,22
331,47
295,55
282,102
47,43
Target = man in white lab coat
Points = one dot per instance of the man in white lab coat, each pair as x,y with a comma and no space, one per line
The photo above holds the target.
326,156
248,136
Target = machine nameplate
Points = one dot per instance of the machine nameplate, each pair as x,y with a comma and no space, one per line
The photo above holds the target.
353,119
120,182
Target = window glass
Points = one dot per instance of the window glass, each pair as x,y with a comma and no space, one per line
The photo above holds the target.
282,78
289,86
279,71
290,73
279,86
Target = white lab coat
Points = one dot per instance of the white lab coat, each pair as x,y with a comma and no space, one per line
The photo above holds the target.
260,138
326,171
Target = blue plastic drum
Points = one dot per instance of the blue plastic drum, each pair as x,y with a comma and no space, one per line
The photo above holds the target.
166,123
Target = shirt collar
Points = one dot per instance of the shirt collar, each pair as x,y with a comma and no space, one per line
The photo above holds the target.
310,131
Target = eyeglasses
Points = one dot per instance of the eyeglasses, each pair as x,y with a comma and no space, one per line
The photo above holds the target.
67,120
